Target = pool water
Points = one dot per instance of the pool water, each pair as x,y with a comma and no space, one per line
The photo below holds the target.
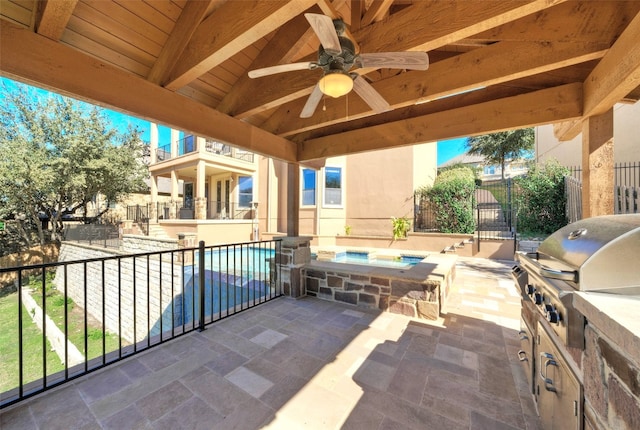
351,257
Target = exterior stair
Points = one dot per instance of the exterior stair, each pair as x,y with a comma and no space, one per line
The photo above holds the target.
155,230
463,248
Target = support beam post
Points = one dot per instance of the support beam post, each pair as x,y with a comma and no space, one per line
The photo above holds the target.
597,165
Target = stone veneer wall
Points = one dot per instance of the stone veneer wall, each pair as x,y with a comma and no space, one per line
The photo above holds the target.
149,279
387,293
611,384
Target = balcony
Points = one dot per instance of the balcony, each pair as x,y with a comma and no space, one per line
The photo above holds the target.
308,362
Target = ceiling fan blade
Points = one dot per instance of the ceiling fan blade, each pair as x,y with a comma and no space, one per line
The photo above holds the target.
322,25
370,95
395,60
266,71
312,102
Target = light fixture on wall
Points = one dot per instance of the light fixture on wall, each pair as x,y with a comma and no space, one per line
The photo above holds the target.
336,83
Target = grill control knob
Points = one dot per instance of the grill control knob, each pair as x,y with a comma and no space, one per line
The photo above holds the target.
538,298
530,289
553,317
552,314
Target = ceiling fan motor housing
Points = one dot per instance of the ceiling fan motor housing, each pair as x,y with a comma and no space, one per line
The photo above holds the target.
347,57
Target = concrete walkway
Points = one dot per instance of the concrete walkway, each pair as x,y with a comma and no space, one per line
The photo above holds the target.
317,365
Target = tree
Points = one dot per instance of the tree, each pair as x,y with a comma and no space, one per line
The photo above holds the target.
58,154
499,147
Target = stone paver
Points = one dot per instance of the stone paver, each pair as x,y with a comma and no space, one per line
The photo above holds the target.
312,364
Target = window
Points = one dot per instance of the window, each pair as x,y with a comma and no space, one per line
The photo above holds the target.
245,194
308,187
333,186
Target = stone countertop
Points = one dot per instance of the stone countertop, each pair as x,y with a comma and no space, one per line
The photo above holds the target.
438,265
615,315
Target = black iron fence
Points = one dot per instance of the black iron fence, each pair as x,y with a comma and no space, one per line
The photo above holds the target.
66,319
493,211
625,174
626,190
105,235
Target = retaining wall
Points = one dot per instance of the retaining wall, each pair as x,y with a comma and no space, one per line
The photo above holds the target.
133,296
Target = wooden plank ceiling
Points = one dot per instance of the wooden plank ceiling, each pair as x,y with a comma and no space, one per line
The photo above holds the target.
494,65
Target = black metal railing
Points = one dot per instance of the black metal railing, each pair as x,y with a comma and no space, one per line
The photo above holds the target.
90,313
139,214
229,210
220,148
104,235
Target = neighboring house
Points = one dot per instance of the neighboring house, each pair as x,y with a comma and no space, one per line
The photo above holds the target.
488,172
232,195
626,138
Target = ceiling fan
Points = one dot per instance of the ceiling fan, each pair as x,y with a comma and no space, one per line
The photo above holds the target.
337,58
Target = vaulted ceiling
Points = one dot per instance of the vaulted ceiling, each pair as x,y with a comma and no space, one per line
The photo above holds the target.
494,65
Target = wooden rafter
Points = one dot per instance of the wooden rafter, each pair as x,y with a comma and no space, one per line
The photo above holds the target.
397,33
275,52
54,18
231,28
376,11
186,25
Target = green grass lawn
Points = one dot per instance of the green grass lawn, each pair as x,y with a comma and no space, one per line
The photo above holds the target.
32,336
31,346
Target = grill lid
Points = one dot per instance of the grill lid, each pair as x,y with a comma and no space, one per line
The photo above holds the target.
599,253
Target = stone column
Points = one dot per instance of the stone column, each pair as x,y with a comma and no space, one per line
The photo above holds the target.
294,255
597,165
173,210
186,241
200,201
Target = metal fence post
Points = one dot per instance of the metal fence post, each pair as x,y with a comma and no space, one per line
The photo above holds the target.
201,283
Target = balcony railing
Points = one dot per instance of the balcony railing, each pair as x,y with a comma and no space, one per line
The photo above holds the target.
143,214
189,145
228,151
87,314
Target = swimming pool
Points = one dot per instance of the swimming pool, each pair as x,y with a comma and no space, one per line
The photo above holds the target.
236,277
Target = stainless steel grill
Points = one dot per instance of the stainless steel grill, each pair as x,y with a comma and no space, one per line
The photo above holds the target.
596,254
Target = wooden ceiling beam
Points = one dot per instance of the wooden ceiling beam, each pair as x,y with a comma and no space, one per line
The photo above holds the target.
54,17
494,64
38,61
526,110
616,75
228,30
437,28
190,17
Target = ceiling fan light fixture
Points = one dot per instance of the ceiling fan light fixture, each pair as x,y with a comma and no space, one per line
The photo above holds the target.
336,84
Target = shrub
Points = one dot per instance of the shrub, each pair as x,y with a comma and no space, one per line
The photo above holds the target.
400,227
541,202
452,197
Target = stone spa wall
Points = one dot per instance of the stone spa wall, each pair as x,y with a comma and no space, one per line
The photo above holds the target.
419,291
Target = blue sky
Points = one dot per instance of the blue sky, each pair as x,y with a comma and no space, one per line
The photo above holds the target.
447,149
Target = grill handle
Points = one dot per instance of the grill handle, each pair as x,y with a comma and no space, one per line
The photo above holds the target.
558,274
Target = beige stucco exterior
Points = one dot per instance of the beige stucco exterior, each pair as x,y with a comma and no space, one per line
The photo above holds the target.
626,137
365,206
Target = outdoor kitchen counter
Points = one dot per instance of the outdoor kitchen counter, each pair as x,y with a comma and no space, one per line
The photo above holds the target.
615,315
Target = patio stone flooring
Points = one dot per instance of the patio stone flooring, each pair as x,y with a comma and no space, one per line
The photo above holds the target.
313,364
